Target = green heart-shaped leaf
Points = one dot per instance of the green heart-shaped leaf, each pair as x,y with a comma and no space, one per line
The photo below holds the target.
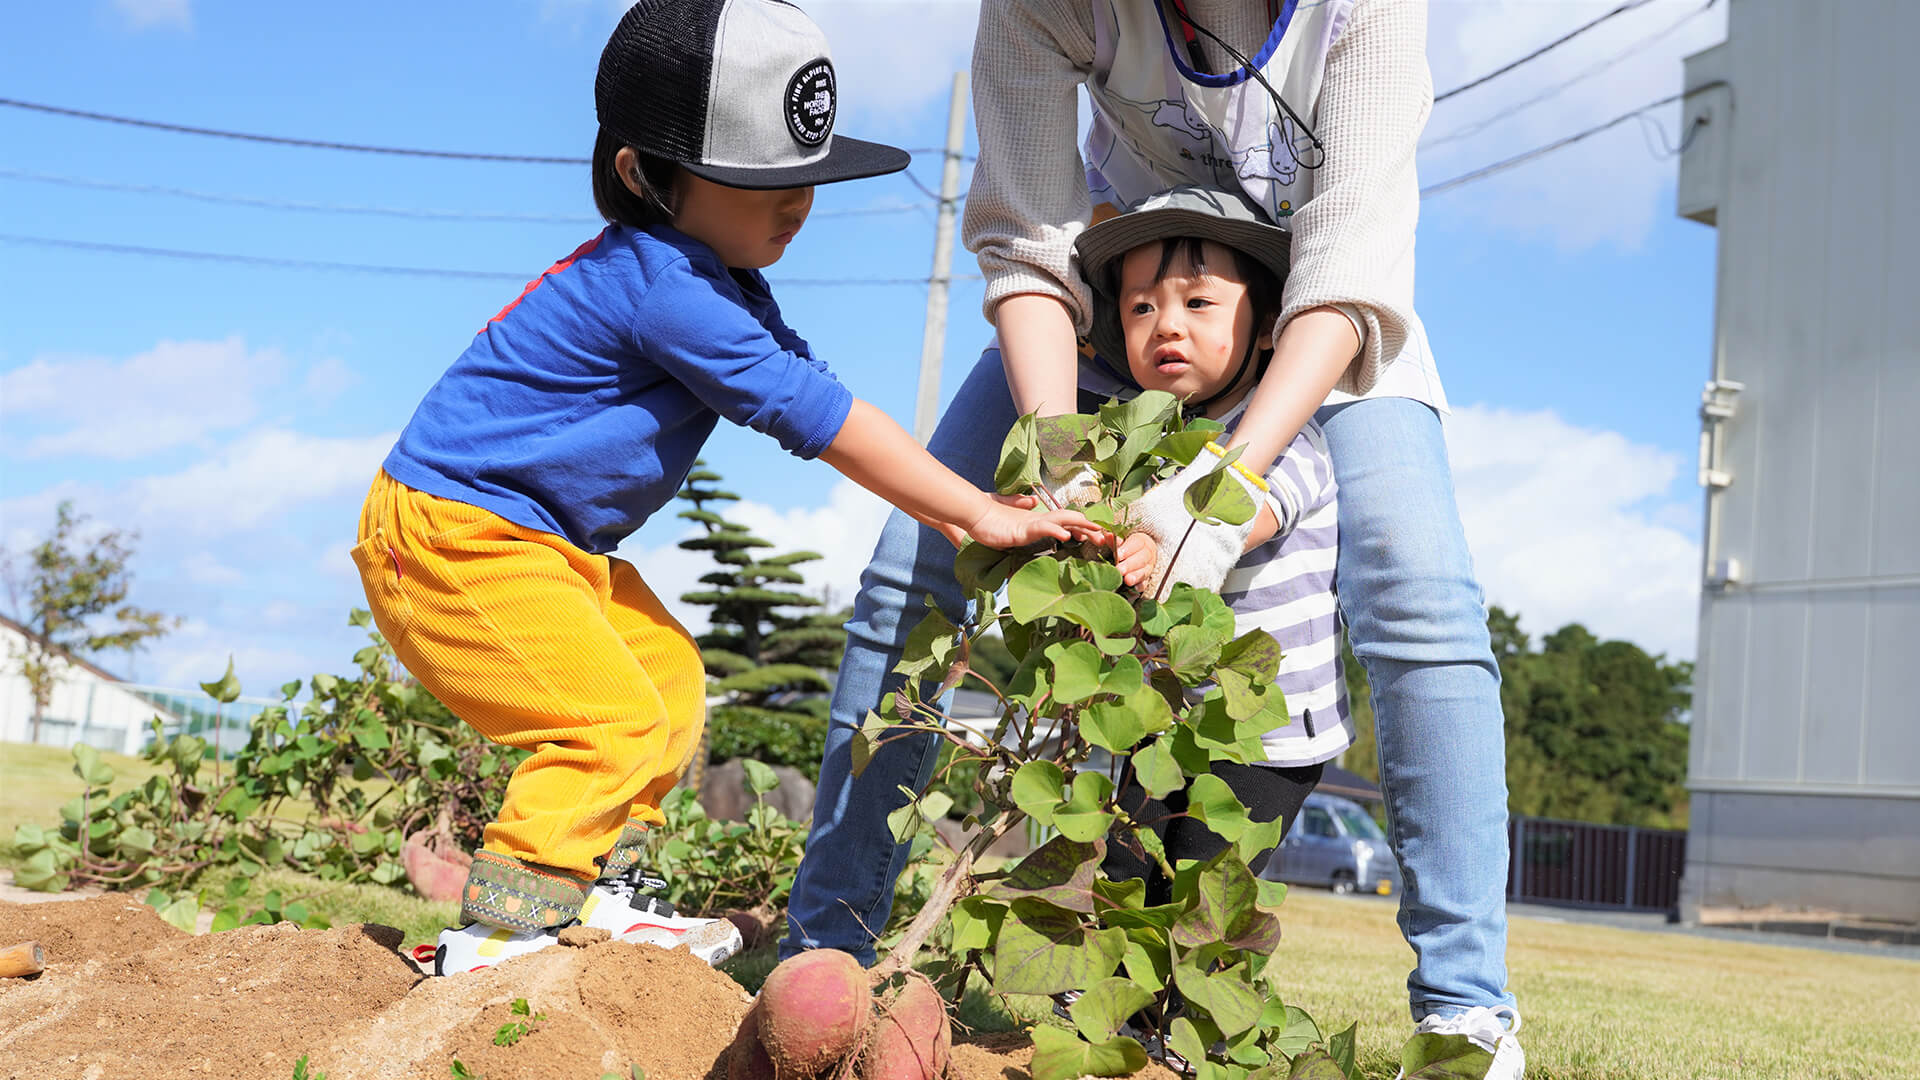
1019,468
1060,871
1432,1056
1100,1011
1060,1055
1043,949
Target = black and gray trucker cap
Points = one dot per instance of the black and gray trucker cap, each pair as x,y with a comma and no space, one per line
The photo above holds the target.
739,92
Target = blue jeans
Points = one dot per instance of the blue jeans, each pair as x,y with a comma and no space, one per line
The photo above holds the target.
1417,621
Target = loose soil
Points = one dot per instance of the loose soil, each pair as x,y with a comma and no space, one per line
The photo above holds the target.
125,994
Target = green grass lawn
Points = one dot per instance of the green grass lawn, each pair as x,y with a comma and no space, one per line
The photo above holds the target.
1608,1004
35,781
1600,1003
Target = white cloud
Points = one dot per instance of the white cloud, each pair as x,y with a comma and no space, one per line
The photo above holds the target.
1608,189
326,380
842,532
893,58
203,569
143,14
171,395
259,475
1571,524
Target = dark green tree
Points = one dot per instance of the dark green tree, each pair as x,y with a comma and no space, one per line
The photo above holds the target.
769,652
1594,728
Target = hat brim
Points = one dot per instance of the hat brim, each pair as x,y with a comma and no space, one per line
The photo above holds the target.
847,159
1101,246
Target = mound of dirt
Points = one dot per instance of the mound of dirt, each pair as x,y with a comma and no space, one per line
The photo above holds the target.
124,994
73,932
244,1002
607,1007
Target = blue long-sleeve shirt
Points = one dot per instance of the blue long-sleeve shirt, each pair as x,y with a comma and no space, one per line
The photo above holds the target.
579,409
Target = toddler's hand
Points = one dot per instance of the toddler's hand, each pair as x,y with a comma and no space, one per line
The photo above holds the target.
1137,556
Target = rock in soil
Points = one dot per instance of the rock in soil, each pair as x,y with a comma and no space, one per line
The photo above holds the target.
580,937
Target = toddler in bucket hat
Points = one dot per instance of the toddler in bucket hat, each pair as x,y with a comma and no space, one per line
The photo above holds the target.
1187,286
1187,289
485,544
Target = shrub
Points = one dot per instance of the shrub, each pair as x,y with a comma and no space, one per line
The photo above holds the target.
1167,688
331,786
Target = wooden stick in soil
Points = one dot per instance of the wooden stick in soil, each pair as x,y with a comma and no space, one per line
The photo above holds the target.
26,958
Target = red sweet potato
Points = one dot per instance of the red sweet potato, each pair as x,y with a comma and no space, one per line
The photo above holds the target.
434,875
746,1058
814,1010
910,1038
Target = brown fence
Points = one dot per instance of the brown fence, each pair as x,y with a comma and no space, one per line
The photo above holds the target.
1578,864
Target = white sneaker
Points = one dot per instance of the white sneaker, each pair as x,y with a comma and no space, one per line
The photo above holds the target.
626,908
617,906
1495,1030
477,945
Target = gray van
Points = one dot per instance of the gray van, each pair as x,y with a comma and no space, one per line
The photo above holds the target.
1334,842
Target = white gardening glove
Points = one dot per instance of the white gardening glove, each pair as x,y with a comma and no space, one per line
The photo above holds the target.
1076,485
1206,552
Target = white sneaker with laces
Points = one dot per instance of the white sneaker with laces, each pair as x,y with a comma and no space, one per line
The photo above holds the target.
1495,1029
477,945
616,905
625,907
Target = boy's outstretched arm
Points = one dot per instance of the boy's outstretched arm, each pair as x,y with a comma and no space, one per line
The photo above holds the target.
879,455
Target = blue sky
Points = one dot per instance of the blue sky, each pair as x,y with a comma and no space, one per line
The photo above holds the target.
233,414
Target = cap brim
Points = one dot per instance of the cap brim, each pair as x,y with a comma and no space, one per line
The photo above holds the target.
847,159
1100,246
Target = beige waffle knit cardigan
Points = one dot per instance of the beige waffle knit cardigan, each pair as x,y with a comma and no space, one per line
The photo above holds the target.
1353,236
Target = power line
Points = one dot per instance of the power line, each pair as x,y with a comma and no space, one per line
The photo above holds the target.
314,144
281,263
1540,151
1542,50
288,204
386,211
287,140
1486,122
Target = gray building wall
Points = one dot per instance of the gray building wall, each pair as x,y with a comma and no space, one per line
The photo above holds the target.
1805,757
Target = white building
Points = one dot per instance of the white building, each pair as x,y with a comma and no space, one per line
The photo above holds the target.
1803,151
94,706
90,704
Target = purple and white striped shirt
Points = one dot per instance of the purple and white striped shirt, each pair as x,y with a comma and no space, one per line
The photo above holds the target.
1286,587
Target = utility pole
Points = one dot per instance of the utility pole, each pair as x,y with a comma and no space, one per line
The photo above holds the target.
927,407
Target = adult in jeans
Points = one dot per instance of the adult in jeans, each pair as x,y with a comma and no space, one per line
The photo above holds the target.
1313,111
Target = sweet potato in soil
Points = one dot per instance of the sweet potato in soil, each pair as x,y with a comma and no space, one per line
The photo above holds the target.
911,1038
124,994
814,1011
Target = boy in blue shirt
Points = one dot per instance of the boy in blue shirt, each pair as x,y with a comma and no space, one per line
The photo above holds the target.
576,413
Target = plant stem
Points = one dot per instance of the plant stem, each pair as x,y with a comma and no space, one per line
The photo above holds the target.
1177,549
957,879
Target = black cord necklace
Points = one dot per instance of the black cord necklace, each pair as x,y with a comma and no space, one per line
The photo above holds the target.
1317,151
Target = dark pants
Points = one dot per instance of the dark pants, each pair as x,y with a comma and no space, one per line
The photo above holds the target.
1267,792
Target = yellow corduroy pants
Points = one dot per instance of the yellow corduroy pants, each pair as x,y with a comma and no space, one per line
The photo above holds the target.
541,646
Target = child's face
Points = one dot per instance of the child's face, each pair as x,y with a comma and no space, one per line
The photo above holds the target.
747,229
1187,332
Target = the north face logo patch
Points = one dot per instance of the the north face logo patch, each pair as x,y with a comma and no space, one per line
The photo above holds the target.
810,103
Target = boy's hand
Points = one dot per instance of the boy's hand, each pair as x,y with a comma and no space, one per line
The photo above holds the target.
1002,526
1137,555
